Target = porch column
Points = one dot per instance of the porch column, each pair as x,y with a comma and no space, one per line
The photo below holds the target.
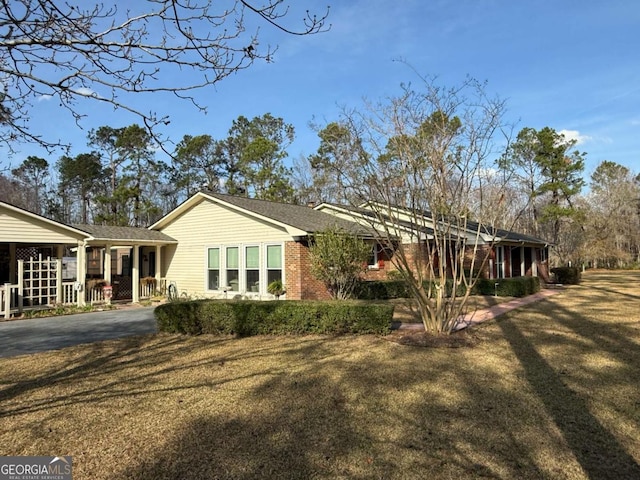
81,273
107,263
13,263
534,262
522,267
60,251
158,267
135,275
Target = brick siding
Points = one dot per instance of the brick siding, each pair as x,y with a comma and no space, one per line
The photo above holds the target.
300,283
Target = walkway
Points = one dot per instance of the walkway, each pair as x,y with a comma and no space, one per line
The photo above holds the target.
479,316
20,337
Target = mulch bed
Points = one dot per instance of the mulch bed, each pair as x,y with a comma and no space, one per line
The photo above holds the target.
418,338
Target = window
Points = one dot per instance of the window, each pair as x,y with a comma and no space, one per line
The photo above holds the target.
274,263
372,262
233,272
242,268
252,268
213,267
499,262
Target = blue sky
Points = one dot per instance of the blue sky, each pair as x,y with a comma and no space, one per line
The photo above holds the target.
570,65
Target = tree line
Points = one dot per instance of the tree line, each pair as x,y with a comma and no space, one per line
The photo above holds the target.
536,185
120,180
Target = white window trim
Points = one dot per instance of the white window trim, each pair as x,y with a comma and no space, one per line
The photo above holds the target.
282,264
242,267
375,265
206,267
500,266
243,272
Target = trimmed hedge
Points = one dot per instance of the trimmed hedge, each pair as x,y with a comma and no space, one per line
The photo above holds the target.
567,275
508,287
246,318
381,290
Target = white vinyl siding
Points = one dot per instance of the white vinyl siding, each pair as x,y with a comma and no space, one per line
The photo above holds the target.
17,227
210,225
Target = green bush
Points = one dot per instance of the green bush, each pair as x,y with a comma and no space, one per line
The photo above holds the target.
567,275
507,287
388,289
245,318
381,290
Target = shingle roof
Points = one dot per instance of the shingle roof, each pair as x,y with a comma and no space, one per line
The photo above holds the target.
297,216
505,235
103,232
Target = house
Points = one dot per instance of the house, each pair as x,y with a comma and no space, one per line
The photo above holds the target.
212,245
230,246
510,254
44,262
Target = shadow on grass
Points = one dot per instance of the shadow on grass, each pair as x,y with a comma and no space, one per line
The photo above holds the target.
283,431
109,361
595,448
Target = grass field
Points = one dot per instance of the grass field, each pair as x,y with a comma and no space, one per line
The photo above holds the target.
548,391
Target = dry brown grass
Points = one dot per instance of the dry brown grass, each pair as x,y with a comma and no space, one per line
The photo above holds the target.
406,311
550,391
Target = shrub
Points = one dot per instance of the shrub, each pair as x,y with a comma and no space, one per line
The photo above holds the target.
388,289
508,287
567,275
245,318
381,290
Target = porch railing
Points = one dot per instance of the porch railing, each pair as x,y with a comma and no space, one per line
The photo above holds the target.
69,293
9,300
95,295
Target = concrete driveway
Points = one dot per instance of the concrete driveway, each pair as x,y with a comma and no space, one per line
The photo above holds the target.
19,337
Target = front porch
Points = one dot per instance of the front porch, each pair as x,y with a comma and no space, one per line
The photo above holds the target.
42,283
44,263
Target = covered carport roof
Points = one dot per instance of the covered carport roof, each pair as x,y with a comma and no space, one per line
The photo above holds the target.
124,235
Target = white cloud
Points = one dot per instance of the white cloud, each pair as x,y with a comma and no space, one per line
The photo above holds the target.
575,135
87,92
45,98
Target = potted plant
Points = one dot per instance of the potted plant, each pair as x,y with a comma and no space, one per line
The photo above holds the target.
276,288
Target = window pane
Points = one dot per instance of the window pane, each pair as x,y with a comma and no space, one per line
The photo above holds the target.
232,257
214,276
232,280
373,256
253,281
274,256
253,257
214,258
273,275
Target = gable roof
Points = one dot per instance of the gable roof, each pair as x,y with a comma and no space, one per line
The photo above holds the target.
125,234
500,235
47,222
372,218
298,219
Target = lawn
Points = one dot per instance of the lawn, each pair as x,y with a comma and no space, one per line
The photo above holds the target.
548,391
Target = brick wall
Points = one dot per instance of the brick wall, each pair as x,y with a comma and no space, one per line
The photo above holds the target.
300,283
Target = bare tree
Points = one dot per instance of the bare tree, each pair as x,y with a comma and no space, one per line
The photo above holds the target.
420,161
73,50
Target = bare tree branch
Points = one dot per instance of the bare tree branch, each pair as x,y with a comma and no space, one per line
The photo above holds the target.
71,51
